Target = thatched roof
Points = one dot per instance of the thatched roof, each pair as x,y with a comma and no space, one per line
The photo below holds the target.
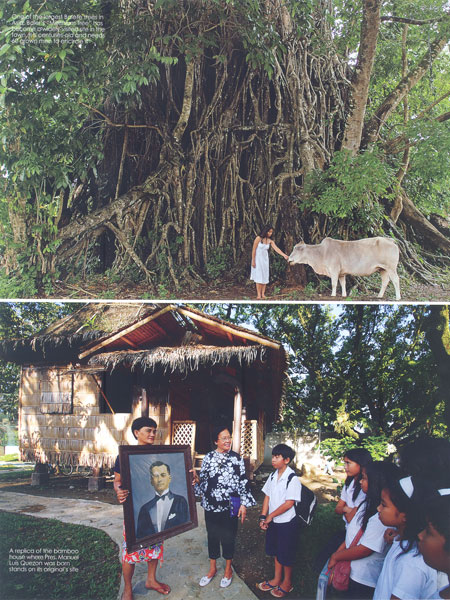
142,334
180,359
90,322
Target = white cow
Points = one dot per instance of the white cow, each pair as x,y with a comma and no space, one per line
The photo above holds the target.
336,259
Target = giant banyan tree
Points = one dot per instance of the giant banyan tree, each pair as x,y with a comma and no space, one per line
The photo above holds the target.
161,147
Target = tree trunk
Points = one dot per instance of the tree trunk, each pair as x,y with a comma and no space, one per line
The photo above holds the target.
370,26
438,335
428,232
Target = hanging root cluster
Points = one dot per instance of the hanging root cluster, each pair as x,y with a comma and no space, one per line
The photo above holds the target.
210,152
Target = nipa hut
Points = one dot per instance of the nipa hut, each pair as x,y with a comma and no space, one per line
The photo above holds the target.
87,376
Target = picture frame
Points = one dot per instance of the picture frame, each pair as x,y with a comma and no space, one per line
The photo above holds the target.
150,471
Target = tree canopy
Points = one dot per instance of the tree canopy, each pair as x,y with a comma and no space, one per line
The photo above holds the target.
156,142
362,370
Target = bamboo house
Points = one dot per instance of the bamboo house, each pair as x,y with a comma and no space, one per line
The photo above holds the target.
87,376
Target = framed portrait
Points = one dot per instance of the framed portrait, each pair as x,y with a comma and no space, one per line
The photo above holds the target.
161,502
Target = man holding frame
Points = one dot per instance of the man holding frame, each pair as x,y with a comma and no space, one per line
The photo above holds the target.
144,430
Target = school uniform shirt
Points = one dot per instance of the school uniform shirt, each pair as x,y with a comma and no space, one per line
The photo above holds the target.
442,580
347,497
405,575
278,493
437,594
367,570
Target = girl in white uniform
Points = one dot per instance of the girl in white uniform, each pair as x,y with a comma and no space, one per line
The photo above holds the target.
260,260
352,495
368,554
405,575
434,540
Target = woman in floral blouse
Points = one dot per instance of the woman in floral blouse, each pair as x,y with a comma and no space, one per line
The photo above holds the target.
222,475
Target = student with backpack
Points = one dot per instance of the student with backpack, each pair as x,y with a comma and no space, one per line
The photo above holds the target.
282,490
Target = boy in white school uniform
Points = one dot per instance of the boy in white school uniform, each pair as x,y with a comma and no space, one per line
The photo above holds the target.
282,489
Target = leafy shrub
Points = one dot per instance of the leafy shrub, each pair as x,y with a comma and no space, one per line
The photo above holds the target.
219,262
350,188
377,445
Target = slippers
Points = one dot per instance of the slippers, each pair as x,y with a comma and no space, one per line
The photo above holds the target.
205,580
225,581
162,588
278,592
265,586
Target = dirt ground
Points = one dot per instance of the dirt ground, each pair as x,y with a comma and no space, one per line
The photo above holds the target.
250,561
363,290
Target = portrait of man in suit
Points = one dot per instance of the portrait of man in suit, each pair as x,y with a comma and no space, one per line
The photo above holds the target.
166,509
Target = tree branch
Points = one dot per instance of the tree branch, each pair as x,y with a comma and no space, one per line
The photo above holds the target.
410,21
391,102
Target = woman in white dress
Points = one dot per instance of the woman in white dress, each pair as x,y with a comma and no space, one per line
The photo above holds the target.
260,260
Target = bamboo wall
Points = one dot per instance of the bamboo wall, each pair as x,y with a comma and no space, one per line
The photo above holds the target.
60,419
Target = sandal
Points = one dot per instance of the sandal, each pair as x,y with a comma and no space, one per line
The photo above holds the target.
265,586
278,592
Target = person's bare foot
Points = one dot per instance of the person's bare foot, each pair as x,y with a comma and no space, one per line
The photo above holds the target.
161,588
127,594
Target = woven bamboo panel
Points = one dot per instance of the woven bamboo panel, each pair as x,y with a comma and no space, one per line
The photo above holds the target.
183,433
30,410
84,384
31,399
85,400
30,382
249,439
86,410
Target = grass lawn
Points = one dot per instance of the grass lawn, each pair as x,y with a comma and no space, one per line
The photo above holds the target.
9,457
9,475
85,565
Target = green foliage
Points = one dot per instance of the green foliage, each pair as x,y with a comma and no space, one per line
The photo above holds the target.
278,266
428,179
219,262
17,321
98,568
368,372
337,447
350,188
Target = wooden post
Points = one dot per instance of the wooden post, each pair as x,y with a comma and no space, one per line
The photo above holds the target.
144,400
237,423
96,482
